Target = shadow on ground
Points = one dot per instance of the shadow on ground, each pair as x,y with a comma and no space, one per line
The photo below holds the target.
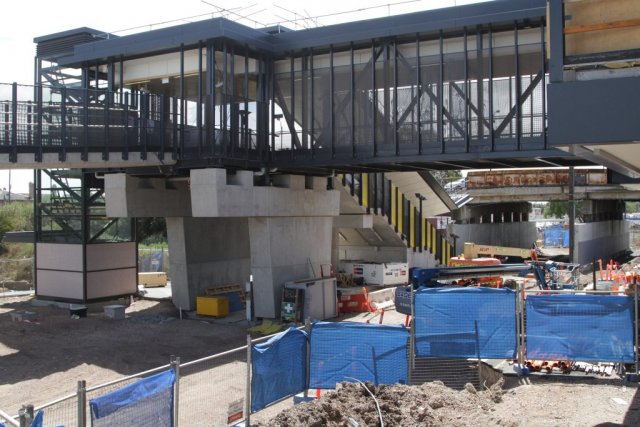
52,341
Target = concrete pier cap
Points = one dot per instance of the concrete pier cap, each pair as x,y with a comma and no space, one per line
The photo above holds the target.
289,225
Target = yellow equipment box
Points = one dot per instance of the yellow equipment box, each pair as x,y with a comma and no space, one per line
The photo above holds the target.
153,279
212,306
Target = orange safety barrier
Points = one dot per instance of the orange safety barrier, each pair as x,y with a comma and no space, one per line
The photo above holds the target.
355,303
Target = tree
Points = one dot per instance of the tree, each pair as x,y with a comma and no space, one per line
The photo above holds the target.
632,207
152,229
559,209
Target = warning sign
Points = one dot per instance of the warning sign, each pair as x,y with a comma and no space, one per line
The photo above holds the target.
235,411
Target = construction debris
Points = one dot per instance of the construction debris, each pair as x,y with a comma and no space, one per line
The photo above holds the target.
431,404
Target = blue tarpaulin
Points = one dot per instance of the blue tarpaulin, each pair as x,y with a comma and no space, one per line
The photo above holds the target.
278,368
151,262
556,237
580,327
37,420
465,322
342,351
147,402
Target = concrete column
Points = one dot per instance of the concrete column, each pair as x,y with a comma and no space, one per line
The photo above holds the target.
285,249
205,253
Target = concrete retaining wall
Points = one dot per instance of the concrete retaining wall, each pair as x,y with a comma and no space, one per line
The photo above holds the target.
600,240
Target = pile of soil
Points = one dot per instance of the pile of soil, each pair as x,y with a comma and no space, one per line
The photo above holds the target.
430,404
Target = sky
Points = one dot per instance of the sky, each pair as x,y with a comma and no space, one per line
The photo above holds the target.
27,19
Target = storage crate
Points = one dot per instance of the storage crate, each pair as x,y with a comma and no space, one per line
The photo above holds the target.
212,306
152,279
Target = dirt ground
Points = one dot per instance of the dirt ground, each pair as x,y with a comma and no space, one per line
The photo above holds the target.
522,403
43,359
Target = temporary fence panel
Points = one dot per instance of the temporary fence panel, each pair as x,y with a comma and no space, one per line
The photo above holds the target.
64,412
344,351
38,420
471,322
151,260
147,402
278,368
213,388
580,327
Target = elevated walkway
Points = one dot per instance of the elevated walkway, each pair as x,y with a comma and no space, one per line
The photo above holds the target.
453,88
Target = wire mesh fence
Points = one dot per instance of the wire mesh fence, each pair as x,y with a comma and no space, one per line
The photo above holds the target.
98,391
213,389
153,260
454,373
60,412
147,402
7,420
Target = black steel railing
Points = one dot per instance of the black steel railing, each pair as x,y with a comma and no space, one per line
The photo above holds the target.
43,119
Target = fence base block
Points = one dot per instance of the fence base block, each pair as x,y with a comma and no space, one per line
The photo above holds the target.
522,371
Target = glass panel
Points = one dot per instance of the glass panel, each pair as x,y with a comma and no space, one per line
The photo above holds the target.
504,70
342,101
363,101
429,79
322,104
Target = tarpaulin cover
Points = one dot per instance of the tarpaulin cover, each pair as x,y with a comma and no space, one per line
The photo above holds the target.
38,420
556,236
465,322
342,351
278,368
151,262
147,402
580,327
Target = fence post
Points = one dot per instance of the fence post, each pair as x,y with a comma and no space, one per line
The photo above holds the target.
26,415
175,365
635,298
82,403
518,326
412,335
307,329
480,381
247,394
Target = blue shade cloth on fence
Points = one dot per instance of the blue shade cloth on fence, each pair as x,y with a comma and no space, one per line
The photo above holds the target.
345,350
38,420
465,322
278,368
147,402
151,262
580,327
556,236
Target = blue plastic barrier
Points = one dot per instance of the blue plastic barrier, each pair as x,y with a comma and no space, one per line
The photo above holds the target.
147,402
465,322
278,368
342,351
38,420
556,237
580,327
